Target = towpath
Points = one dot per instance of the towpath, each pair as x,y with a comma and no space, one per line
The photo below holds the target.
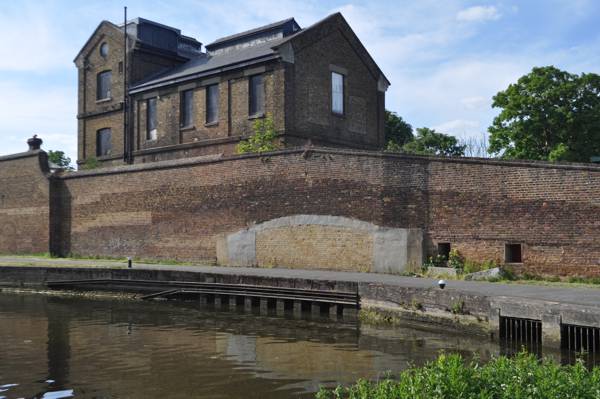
550,293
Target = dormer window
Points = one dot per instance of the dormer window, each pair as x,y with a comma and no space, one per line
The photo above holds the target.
103,85
104,49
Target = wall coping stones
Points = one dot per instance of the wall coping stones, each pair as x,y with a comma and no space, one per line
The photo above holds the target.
306,152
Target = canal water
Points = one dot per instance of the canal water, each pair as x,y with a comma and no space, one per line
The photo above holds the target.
66,346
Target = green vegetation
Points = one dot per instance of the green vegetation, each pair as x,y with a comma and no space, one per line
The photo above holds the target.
449,377
548,114
429,142
263,139
397,131
90,163
60,159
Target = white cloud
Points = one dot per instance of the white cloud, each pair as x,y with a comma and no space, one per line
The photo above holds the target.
478,14
48,112
460,128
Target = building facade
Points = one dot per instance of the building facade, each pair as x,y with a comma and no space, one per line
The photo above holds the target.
149,93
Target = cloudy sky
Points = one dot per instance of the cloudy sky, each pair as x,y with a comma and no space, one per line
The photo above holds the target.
445,59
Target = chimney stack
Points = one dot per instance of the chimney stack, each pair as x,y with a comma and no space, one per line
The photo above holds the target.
34,143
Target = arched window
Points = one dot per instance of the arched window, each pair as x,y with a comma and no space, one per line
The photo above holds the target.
103,82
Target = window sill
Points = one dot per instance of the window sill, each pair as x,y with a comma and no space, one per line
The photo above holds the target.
338,115
257,116
186,128
104,100
209,124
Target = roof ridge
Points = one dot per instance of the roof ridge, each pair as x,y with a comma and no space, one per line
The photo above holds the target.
269,26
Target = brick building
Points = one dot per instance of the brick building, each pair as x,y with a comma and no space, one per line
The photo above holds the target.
318,84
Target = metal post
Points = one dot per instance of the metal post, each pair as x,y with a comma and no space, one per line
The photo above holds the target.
129,262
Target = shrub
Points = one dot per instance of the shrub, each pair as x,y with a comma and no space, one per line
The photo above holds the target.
90,163
456,261
523,376
262,140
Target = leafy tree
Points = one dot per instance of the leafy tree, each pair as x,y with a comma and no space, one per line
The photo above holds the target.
548,114
262,140
397,131
430,142
59,158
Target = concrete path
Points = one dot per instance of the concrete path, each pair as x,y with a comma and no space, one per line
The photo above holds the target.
564,295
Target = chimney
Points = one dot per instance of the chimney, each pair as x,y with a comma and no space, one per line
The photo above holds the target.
34,143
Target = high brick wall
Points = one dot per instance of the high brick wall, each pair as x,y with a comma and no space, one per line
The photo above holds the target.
554,211
24,203
181,209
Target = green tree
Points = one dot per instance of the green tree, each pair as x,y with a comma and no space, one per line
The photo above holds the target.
262,140
397,131
430,142
59,158
548,114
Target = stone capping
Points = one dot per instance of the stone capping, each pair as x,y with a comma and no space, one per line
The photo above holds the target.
322,220
19,155
306,151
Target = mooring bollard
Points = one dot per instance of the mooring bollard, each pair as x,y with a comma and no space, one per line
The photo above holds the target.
129,262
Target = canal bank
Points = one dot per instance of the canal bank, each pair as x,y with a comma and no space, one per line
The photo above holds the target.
551,316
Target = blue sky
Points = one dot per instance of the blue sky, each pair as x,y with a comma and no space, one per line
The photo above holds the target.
445,59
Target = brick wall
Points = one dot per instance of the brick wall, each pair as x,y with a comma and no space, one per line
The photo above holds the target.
179,209
24,203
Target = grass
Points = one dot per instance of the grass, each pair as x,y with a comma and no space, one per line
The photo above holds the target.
523,376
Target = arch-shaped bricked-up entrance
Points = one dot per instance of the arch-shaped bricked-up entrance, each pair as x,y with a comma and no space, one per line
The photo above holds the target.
323,242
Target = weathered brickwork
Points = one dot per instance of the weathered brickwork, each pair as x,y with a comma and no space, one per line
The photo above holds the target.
179,209
24,203
297,96
323,247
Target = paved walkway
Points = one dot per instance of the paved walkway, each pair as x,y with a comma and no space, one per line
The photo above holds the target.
557,294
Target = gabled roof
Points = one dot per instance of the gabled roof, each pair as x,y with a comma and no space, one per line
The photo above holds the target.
256,31
213,63
104,22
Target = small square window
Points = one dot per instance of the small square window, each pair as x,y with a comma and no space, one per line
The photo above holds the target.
443,249
513,253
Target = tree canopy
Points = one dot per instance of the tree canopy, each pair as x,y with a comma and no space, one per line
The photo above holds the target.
60,159
397,131
429,142
548,114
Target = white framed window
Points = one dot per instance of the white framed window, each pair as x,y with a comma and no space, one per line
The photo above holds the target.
337,93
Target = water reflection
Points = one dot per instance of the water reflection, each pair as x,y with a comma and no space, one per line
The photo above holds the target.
109,348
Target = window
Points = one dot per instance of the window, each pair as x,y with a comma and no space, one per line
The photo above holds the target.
187,108
513,253
444,249
337,93
103,142
212,103
257,96
151,119
104,49
103,85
